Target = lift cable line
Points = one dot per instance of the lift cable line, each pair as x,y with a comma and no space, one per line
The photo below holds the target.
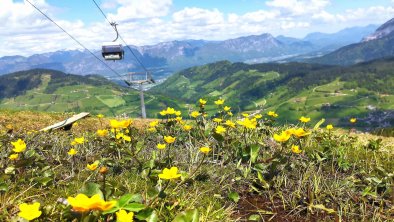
114,27
114,71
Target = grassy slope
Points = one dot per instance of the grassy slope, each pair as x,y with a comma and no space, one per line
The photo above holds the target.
344,180
57,92
291,89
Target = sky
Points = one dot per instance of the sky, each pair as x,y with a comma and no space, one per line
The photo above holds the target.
24,31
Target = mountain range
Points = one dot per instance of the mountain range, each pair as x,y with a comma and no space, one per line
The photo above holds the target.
168,57
379,44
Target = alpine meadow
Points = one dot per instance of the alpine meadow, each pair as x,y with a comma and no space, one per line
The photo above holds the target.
196,111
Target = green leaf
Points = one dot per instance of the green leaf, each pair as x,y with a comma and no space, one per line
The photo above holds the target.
127,198
147,215
234,196
9,170
322,207
91,189
254,152
187,216
318,124
3,187
135,207
254,217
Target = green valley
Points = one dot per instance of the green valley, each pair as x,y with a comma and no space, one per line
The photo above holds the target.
292,89
53,91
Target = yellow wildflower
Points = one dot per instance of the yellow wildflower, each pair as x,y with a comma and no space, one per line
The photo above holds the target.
272,114
295,149
29,211
304,119
202,102
300,132
217,120
82,203
13,156
151,129
178,113
79,140
161,146
126,123
230,113
163,112
169,139
75,124
353,120
154,123
245,114
170,111
258,116
226,108
187,127
205,150
169,174
19,146
329,127
230,123
123,216
283,137
219,102
102,133
100,116
250,124
93,166
220,129
115,124
195,114
178,119
72,152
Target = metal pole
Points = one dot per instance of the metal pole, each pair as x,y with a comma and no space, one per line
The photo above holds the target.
143,112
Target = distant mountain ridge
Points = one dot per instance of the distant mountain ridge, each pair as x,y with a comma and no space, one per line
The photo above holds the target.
378,45
176,55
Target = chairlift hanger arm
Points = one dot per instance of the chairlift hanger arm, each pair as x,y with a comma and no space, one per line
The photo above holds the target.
114,24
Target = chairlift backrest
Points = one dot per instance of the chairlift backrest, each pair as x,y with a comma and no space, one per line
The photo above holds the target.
112,51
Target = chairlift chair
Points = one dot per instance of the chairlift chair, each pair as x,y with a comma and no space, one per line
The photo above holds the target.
112,51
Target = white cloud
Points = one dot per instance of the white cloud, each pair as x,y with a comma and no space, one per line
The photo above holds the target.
137,9
299,7
24,31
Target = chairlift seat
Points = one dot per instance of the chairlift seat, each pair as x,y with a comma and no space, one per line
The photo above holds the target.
112,51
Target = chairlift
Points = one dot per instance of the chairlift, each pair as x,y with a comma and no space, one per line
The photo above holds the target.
112,50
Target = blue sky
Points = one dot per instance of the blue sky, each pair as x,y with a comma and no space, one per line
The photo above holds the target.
153,21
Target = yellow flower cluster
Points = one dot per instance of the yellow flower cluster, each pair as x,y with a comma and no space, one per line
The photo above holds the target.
195,114
169,174
82,203
102,133
115,124
248,123
272,114
219,102
304,119
123,136
170,111
77,141
285,135
29,211
19,146
93,166
169,139
123,216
